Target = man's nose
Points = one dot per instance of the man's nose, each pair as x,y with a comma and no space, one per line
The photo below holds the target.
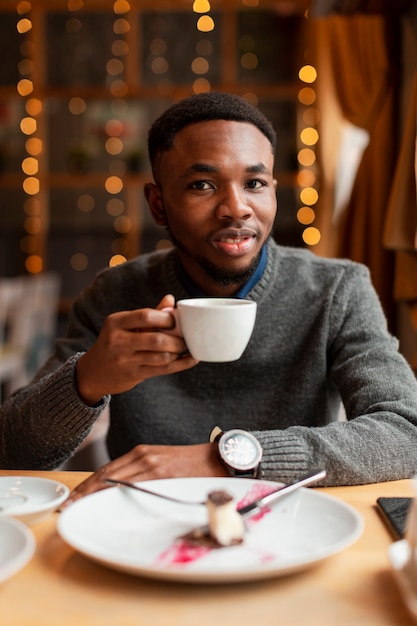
233,204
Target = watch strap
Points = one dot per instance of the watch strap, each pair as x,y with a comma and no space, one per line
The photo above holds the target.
253,473
215,434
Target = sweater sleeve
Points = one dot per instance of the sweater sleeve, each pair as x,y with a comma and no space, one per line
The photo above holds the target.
43,423
378,440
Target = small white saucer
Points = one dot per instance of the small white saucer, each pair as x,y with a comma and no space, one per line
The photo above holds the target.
17,546
398,554
30,499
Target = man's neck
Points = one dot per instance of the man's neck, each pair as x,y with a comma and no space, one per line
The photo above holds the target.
212,289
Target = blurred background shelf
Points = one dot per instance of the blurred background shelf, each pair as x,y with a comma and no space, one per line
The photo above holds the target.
93,77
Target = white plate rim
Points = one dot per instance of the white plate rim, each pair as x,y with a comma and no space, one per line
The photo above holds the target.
24,554
161,573
27,508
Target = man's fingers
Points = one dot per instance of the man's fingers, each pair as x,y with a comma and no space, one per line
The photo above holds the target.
139,319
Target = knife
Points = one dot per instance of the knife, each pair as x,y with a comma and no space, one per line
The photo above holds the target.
307,479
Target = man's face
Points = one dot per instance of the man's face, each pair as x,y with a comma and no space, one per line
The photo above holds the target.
216,194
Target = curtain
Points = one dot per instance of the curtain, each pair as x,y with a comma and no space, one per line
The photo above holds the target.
400,232
356,98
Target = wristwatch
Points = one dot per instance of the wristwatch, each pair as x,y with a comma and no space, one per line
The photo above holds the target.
239,451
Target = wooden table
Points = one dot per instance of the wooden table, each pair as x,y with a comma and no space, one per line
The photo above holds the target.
60,587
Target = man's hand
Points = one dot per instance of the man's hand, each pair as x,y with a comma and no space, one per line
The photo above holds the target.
146,462
131,347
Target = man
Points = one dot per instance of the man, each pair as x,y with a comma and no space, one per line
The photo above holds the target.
320,335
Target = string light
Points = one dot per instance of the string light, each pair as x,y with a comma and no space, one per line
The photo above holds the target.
79,261
201,6
31,242
77,106
306,156
122,224
33,106
311,236
24,26
113,184
307,74
75,5
201,85
121,6
23,7
306,215
30,166
115,207
309,195
205,23
307,96
85,203
200,64
114,143
309,136
160,65
24,87
117,259
249,61
306,177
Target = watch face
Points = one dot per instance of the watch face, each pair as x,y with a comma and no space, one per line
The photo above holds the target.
240,449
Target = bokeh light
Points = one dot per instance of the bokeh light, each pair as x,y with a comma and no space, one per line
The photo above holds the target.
205,24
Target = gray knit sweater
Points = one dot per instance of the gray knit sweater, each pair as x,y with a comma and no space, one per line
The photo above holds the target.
320,336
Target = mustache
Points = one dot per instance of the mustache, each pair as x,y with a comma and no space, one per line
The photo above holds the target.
234,231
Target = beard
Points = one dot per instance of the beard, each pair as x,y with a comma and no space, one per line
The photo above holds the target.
224,277
220,276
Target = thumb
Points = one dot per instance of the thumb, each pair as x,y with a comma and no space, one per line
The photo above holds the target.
167,302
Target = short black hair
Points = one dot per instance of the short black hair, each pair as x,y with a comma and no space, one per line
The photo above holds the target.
202,107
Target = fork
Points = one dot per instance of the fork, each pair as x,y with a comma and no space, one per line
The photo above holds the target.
126,483
302,481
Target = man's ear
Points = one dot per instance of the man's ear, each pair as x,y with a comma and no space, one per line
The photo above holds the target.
153,195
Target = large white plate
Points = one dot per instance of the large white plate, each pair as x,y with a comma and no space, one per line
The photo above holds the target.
17,545
138,533
399,553
30,499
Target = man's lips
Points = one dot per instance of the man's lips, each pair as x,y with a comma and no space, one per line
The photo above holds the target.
235,242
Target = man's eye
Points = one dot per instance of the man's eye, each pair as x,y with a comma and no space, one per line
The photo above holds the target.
200,184
255,184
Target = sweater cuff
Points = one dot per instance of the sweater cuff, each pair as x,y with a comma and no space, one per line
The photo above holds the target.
284,456
61,392
103,402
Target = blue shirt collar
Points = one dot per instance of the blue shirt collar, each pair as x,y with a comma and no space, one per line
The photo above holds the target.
196,292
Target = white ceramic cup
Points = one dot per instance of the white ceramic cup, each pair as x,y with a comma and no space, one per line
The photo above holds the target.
216,329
